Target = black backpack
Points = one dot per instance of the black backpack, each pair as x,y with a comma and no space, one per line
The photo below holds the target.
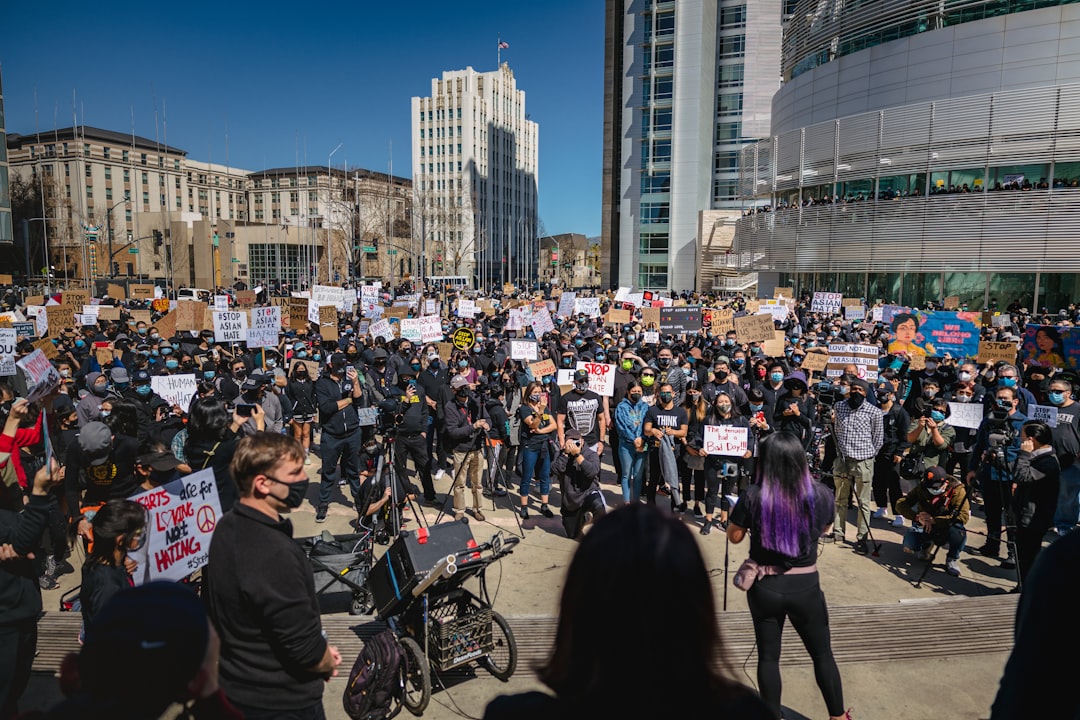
374,689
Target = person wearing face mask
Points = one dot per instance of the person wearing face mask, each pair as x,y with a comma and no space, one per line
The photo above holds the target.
1008,376
1066,442
259,590
772,387
665,422
931,436
968,375
300,394
922,395
895,423
337,395
585,411
464,417
146,402
795,409
996,481
938,508
1038,478
413,429
723,472
630,421
670,372
724,381
859,434
89,407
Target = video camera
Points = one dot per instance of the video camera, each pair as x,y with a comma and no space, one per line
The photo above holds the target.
827,393
389,414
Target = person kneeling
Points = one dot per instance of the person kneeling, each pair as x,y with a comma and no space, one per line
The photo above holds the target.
939,507
578,471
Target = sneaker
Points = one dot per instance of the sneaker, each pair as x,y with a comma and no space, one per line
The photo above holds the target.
988,550
1009,562
63,567
838,537
663,490
440,474
433,501
320,514
46,582
307,460
697,511
952,567
898,521
879,513
524,512
546,511
861,547
828,538
706,528
682,507
50,566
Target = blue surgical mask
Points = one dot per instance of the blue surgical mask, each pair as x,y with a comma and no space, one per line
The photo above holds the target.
144,390
1056,398
600,357
172,364
739,362
756,407
937,416
1007,382
301,354
80,343
1004,404
209,374
271,363
844,390
316,356
729,342
463,363
776,377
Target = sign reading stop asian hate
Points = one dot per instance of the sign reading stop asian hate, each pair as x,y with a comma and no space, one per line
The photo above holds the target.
230,326
601,377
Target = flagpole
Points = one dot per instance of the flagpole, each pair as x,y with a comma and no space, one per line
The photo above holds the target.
498,52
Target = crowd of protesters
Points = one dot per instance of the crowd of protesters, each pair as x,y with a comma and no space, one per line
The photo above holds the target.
72,457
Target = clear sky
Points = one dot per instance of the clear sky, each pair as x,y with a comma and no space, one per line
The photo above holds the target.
272,82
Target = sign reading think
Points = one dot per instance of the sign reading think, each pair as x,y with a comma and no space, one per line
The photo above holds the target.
183,515
230,326
174,389
464,338
726,440
754,328
826,302
601,377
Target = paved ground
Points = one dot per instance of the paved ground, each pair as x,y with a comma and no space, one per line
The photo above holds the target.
529,582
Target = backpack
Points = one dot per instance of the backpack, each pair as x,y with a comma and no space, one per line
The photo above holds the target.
374,690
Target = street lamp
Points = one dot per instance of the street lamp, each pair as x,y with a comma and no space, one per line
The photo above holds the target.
109,231
329,238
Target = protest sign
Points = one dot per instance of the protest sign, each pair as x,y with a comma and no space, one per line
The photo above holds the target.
618,317
431,329
446,350
189,315
777,308
542,322
41,377
8,338
221,303
410,330
508,288
814,362
328,295
992,352
328,317
174,389
5,279
141,292
298,313
464,338
566,304
182,517
564,378
116,292
1046,413
166,325
110,312
933,334
965,415
679,320
396,312
622,294
726,440
542,368
1056,346
382,329
587,306
230,326
265,327
1000,321
59,317
650,318
523,350
863,357
651,337
854,312
45,345
951,303
466,308
754,328
245,298
75,297
826,302
138,316
719,320
775,346
41,320
601,377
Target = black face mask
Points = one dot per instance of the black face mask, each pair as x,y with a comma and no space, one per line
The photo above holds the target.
297,491
855,401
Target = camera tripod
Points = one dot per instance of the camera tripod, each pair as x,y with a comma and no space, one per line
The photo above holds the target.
386,475
490,452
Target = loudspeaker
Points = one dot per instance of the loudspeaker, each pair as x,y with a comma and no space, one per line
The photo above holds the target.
408,560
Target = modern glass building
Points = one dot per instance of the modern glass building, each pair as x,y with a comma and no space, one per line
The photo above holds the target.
921,150
6,234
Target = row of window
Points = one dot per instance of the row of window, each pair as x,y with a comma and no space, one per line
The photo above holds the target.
430,150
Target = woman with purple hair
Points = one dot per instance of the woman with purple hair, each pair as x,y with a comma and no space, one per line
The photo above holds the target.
786,511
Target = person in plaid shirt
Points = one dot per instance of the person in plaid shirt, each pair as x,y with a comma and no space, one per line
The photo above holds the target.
859,434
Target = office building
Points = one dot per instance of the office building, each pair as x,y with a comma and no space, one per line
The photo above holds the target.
921,151
475,173
7,235
687,85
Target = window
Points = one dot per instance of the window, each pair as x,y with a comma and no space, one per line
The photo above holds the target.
659,25
725,190
86,149
730,75
729,104
726,161
733,46
655,212
656,182
662,89
106,152
660,57
89,171
656,151
108,193
653,276
108,172
125,156
143,158
651,243
728,131
732,17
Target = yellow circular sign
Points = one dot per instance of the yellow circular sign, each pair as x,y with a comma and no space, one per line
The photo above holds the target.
464,338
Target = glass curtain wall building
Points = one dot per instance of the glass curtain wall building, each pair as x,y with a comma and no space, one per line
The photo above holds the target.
920,151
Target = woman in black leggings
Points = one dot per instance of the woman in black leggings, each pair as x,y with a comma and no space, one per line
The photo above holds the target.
785,512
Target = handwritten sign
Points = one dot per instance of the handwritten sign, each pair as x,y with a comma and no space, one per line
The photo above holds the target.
221,303
863,357
542,322
230,326
328,295
542,368
298,314
854,312
41,377
992,352
141,292
566,304
75,297
651,337
8,339
965,415
410,330
523,350
726,440
265,327
466,308
245,298
58,318
382,329
430,328
754,328
183,515
601,377
5,279
587,306
826,302
814,362
328,317
1047,413
174,389
721,320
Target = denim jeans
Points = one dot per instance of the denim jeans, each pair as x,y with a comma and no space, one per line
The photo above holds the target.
1068,503
955,536
538,461
632,462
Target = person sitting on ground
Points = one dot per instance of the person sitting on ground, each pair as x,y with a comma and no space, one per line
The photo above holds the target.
578,470
939,507
634,561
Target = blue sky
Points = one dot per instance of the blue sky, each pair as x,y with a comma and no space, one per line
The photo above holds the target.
281,80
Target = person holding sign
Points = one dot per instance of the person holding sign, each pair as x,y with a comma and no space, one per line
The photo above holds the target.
722,471
119,528
785,512
535,431
664,422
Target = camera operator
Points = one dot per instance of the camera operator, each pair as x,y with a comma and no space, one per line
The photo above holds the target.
997,445
466,423
337,394
796,409
578,471
931,435
1037,478
939,508
1009,377
895,424
412,429
859,435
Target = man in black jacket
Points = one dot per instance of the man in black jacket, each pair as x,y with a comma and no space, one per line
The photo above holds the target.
466,421
578,470
886,483
336,395
412,431
20,595
260,593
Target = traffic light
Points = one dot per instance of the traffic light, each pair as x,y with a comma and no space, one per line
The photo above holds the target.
158,240
115,269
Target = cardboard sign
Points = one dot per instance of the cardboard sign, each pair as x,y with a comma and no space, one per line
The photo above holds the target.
650,318
230,326
41,377
951,303
618,317
918,362
138,316
245,298
814,362
265,327
183,515
446,351
719,320
175,389
108,312
141,292
601,377
542,368
863,357
6,280
8,338
313,368
774,348
965,415
992,352
851,302
298,313
396,312
328,317
59,317
75,297
105,354
46,347
680,320
116,292
166,325
726,440
189,315
464,338
754,328
826,302
523,350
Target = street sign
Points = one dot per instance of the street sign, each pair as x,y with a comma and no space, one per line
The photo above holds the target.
391,252
369,248
133,251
